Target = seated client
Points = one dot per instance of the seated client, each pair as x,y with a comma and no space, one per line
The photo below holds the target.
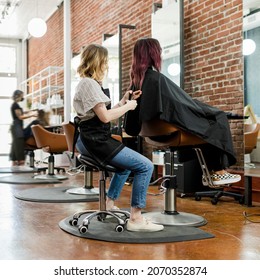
162,99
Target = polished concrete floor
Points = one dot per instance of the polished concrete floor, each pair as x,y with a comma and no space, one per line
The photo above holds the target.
30,231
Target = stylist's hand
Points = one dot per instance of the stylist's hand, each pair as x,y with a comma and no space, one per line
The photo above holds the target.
131,95
131,104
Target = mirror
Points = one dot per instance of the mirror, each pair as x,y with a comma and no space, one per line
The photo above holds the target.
251,51
167,28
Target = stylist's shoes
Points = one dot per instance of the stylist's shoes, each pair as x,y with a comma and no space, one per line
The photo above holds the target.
222,179
144,226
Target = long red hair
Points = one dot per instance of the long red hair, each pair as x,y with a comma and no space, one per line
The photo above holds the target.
146,53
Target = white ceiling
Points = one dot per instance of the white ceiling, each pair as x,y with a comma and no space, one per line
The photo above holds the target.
15,26
21,12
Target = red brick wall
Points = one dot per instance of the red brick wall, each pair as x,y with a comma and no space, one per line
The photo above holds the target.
213,38
213,58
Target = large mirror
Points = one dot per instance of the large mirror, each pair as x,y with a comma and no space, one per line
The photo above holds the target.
251,53
167,27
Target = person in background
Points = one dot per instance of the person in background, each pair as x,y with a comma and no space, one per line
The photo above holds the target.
92,106
17,154
162,99
43,119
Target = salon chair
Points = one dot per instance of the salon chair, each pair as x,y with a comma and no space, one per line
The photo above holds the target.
30,147
163,135
87,188
250,139
53,143
120,216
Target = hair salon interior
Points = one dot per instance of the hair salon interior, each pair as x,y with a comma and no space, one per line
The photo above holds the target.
209,48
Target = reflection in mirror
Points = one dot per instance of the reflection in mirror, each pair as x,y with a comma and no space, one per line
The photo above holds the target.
74,81
166,27
251,52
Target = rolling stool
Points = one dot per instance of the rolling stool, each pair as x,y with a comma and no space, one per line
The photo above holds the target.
161,134
120,215
57,144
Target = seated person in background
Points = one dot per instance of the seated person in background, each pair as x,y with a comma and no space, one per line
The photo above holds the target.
162,99
43,119
93,109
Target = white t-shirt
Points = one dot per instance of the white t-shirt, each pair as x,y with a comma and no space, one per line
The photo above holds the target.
88,94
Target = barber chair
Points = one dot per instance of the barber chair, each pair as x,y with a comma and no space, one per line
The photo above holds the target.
56,144
88,188
121,216
164,135
30,147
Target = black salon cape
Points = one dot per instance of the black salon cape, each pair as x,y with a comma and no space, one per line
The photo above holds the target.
162,99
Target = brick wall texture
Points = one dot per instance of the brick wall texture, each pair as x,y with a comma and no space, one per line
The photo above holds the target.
213,36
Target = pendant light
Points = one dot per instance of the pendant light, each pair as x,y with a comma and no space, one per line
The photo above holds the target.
37,27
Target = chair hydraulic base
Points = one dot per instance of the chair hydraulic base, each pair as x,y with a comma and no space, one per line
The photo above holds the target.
176,219
88,188
51,169
170,215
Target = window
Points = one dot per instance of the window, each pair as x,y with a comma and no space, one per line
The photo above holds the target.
7,59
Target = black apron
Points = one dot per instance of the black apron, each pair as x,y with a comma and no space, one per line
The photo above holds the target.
97,139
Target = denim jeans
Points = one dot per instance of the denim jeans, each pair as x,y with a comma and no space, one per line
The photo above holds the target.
130,161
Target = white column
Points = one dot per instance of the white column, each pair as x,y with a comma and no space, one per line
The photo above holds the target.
67,61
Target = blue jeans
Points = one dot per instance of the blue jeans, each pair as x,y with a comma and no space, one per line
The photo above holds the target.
130,161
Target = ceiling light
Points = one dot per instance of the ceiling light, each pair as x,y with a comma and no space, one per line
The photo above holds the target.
37,27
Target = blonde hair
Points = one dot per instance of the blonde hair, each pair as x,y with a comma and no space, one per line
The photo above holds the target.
93,62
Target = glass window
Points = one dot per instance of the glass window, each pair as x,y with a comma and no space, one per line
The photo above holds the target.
8,86
7,59
5,113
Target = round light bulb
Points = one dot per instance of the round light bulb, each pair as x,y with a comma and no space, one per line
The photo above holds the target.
174,69
37,27
249,46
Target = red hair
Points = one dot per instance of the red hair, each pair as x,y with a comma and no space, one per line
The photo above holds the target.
147,53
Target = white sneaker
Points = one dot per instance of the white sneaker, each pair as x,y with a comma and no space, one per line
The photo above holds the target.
144,226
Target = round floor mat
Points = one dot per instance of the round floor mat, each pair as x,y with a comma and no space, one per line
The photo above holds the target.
26,179
53,194
105,231
18,169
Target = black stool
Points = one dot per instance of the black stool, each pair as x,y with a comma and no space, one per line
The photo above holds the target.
120,215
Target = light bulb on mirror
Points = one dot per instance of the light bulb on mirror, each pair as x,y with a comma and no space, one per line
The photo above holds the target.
174,69
249,46
37,27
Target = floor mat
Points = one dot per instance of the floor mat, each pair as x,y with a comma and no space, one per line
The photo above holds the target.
26,179
18,169
105,231
53,194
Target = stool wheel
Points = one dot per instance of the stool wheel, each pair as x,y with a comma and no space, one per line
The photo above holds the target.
73,222
101,217
83,229
197,197
119,228
214,201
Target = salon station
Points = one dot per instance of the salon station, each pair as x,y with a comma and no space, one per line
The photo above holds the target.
53,207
